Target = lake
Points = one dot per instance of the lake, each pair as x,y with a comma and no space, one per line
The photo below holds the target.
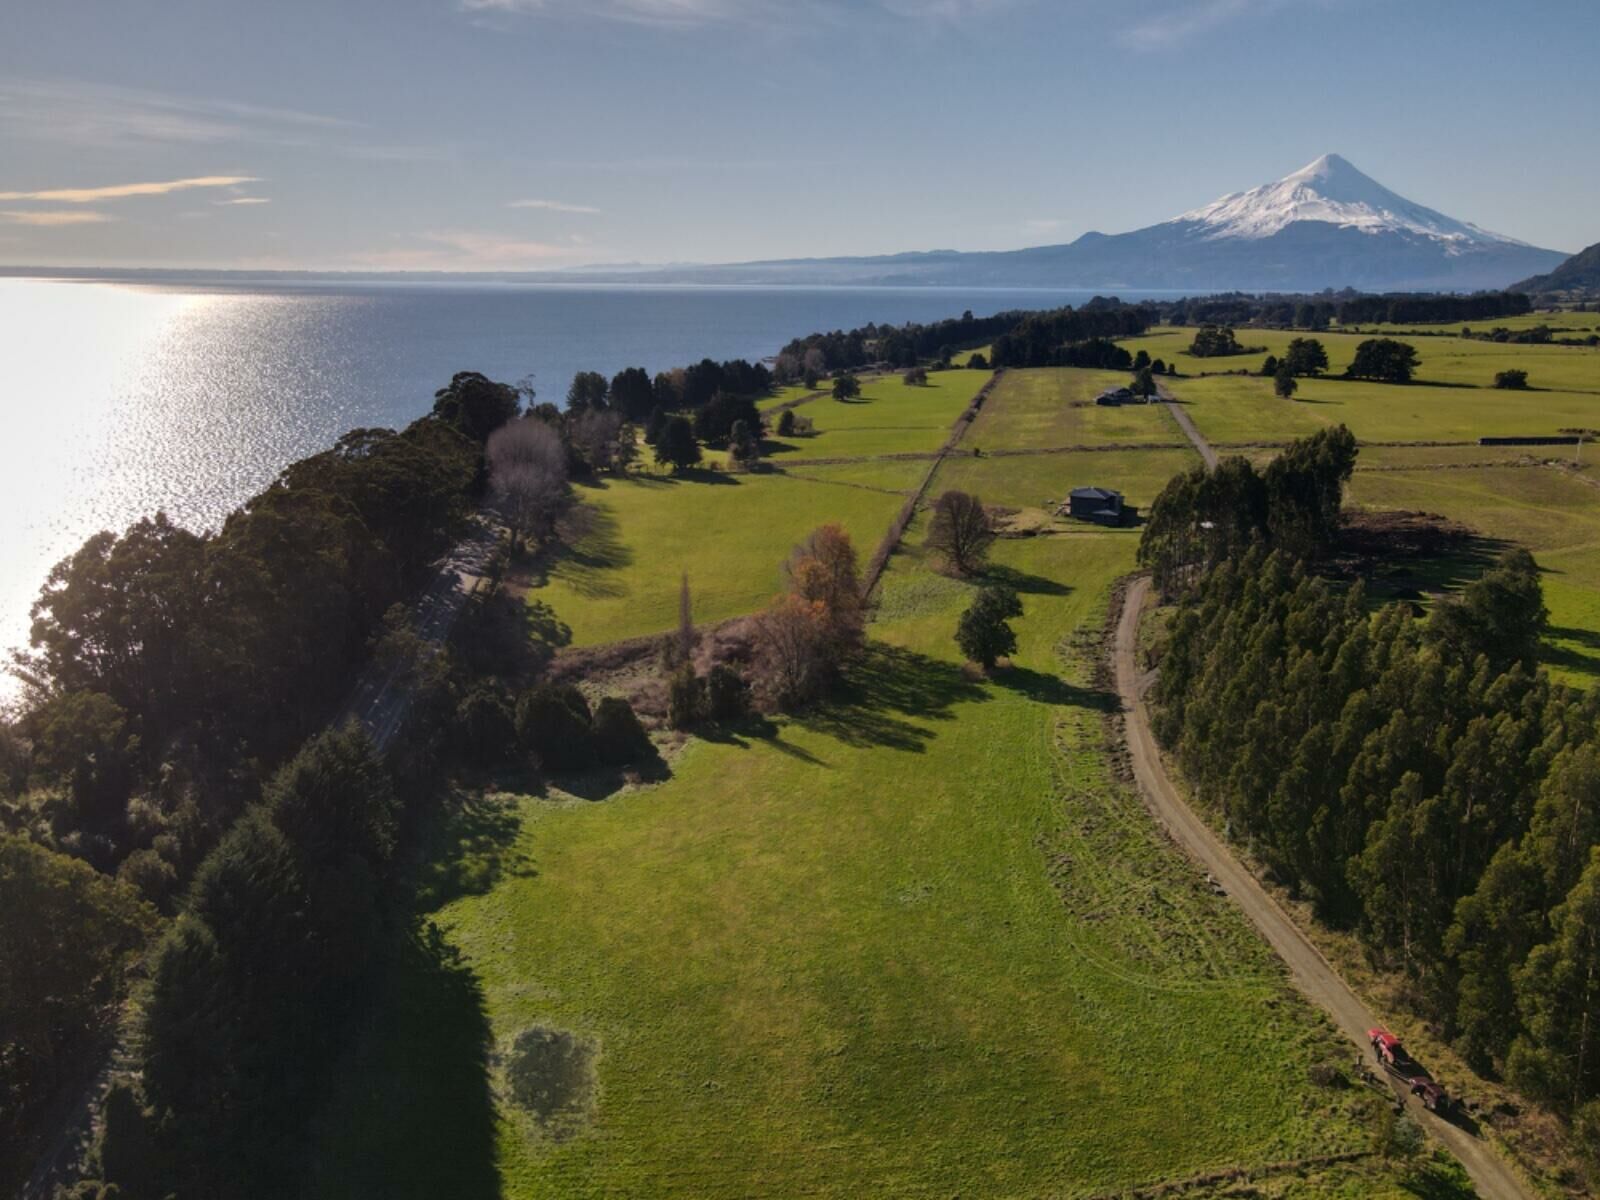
188,396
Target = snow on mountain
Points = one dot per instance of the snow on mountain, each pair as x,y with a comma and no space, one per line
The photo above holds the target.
1332,190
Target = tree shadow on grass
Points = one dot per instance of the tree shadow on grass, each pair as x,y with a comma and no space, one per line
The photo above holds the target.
590,551
414,1112
1024,583
1052,689
753,728
887,687
703,475
1581,659
472,845
601,783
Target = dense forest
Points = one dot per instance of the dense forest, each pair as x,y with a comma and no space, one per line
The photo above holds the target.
1347,307
1417,778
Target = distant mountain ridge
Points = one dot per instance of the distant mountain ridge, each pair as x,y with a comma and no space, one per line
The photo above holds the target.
1580,273
1327,225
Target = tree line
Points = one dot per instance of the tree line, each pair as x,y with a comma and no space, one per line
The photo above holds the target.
1419,780
1072,337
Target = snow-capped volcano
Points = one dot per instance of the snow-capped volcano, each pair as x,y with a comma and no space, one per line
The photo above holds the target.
1334,191
1325,226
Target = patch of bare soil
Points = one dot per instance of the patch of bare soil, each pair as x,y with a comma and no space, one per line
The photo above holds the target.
550,1077
1390,543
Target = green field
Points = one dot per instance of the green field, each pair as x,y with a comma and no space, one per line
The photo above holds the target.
1041,480
1055,407
729,533
1445,360
917,944
1239,409
889,417
1552,512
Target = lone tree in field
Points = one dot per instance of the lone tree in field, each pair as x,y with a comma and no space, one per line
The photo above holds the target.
1306,356
1144,382
528,477
786,423
805,636
1283,383
846,386
676,447
983,633
961,531
915,377
1384,360
744,447
1513,379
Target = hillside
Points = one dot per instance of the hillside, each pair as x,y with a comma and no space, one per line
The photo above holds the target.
1581,272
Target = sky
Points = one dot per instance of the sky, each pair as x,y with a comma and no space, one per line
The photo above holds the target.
540,134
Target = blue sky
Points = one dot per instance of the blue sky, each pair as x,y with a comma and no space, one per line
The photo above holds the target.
475,134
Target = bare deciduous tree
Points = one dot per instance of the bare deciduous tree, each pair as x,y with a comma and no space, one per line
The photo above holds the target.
528,474
961,530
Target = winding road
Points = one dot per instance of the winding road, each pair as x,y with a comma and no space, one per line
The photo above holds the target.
1312,973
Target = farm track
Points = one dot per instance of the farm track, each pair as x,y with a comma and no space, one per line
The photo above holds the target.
1312,973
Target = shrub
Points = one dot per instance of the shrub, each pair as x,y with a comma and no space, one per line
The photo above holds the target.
685,698
983,633
554,725
486,724
1269,366
1513,379
727,694
619,736
978,362
786,423
915,377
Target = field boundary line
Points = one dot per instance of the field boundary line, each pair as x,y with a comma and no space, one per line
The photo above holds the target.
879,561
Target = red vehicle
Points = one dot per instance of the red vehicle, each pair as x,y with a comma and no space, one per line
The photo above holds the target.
1392,1056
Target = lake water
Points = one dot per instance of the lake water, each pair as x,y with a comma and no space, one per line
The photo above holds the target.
118,399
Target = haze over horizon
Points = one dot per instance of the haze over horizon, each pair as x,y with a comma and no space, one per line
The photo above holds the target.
540,134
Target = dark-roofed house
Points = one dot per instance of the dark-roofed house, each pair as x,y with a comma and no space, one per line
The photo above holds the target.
1111,398
1100,505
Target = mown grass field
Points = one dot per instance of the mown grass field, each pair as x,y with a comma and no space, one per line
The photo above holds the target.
919,943
889,417
1565,323
1041,480
1444,360
1054,407
1235,408
729,533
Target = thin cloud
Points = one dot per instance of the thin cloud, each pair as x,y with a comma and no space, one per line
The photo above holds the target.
1182,22
555,206
469,250
121,191
691,13
34,217
243,200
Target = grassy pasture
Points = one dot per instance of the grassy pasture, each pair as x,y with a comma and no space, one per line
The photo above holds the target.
1553,513
1233,408
1565,323
729,532
1055,407
1447,360
1033,480
889,417
917,944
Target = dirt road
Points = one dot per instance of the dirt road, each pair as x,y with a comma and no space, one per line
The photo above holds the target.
1189,431
1312,974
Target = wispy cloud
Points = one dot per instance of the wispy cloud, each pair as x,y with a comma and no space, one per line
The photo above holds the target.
86,114
554,206
122,191
1043,224
48,218
1179,22
690,13
243,200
